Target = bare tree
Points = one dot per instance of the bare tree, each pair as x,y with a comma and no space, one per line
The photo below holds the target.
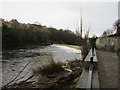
107,33
117,25
77,29
79,26
87,33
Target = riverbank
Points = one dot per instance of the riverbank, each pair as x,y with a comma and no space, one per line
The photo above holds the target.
70,46
31,46
66,78
43,44
14,60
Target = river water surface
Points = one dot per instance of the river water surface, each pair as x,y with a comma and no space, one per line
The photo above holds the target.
13,61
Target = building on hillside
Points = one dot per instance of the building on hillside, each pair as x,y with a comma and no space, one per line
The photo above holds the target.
22,26
28,25
33,26
14,23
8,23
43,26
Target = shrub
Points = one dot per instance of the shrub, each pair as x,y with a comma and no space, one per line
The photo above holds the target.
50,69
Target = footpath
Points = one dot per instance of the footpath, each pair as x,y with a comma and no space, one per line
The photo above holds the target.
108,69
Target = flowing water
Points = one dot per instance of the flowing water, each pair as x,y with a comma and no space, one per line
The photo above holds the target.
14,61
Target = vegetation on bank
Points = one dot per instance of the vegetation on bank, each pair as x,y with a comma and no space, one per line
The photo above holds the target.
54,74
15,37
47,74
61,78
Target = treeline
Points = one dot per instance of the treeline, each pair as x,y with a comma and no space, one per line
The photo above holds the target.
14,37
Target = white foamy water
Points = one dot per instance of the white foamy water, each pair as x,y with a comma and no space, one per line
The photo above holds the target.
14,61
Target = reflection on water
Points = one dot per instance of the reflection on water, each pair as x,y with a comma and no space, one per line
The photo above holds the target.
13,61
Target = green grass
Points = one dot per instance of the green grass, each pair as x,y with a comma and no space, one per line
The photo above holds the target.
70,46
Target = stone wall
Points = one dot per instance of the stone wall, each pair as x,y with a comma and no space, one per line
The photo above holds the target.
108,43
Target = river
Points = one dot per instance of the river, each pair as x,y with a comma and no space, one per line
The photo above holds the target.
13,61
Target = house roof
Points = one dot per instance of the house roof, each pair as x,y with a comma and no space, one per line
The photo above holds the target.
116,34
7,22
44,26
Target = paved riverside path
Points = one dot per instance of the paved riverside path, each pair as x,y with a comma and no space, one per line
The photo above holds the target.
107,69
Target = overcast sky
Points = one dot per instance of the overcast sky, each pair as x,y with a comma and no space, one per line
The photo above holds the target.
98,16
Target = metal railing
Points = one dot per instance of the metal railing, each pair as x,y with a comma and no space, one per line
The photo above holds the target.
89,77
89,84
90,74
